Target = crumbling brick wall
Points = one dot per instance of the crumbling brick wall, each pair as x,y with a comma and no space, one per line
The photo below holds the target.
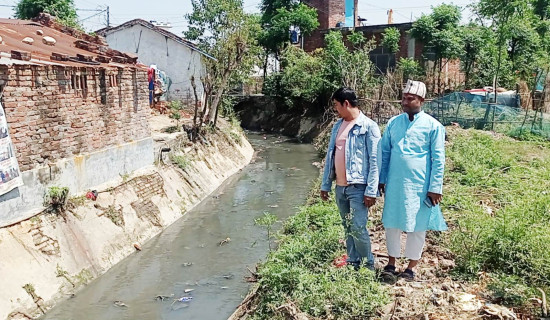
58,112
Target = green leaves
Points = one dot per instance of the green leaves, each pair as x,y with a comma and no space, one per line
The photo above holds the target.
278,16
390,39
63,10
300,270
440,31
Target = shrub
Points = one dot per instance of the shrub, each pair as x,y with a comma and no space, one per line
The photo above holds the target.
181,161
56,198
499,205
300,270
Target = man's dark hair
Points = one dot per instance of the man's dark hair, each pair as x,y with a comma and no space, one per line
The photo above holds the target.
343,94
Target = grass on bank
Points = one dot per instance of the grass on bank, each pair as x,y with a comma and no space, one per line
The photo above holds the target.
497,200
301,271
497,203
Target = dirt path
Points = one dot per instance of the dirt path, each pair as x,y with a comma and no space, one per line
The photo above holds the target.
434,294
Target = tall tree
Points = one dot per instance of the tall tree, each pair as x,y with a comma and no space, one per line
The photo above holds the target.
223,30
277,19
390,41
278,16
440,33
514,24
475,38
63,10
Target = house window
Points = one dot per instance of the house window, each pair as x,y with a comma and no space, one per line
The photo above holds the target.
103,86
84,81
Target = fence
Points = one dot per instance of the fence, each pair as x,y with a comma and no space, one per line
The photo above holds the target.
471,112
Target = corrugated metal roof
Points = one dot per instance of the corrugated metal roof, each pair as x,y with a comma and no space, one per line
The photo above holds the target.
13,31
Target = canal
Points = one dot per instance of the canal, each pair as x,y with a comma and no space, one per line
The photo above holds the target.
206,253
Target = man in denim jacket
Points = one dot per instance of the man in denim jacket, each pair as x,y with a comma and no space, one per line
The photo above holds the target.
352,160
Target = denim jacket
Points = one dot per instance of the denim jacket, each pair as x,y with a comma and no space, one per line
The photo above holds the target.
362,148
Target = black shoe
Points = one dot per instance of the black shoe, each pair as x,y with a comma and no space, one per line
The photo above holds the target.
389,275
408,275
390,269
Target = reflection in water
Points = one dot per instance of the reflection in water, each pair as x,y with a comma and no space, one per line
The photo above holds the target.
187,255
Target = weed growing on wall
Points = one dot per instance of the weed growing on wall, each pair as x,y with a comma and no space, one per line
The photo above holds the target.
55,199
181,161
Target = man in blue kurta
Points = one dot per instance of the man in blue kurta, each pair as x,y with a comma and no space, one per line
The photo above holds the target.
411,176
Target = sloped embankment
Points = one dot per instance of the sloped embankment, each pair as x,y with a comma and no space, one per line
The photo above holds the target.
50,256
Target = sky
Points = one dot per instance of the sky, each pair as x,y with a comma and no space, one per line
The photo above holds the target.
173,11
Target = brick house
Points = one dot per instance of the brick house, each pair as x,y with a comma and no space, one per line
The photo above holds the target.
77,111
331,13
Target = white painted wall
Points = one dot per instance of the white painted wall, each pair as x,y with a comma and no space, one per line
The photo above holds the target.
177,60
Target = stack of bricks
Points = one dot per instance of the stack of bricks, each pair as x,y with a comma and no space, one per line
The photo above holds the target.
58,112
148,186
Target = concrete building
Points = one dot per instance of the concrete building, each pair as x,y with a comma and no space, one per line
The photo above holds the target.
77,112
179,58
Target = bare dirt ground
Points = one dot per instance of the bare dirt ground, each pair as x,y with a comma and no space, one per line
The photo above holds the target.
436,294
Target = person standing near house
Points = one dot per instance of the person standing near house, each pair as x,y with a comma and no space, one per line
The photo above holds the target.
353,162
411,177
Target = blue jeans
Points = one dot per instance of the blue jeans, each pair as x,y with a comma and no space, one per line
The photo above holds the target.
354,215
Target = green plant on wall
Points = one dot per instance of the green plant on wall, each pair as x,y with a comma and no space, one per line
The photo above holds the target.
176,106
55,199
181,161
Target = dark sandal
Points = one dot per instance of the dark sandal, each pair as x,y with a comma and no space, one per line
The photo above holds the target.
408,275
390,269
389,275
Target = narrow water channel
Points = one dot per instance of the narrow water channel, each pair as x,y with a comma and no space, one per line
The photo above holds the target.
187,255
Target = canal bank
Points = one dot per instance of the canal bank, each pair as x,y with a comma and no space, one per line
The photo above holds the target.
209,250
50,257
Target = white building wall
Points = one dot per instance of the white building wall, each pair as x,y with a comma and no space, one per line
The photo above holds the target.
177,60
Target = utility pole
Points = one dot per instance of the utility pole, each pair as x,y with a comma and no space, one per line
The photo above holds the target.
108,18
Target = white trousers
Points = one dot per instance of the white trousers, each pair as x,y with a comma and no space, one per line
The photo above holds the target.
413,248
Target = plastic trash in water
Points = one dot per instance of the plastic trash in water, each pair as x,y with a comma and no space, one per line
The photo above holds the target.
184,299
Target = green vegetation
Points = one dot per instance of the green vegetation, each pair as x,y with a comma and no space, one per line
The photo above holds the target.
278,16
301,270
222,29
55,199
310,79
171,129
84,277
114,215
60,273
498,204
63,10
175,107
267,221
180,160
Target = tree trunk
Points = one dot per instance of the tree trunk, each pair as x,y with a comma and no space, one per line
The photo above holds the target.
195,129
546,93
218,96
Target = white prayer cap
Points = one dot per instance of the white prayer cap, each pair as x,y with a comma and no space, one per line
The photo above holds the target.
416,87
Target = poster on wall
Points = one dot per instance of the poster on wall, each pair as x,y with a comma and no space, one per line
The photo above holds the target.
10,176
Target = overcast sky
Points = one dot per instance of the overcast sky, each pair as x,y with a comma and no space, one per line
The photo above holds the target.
173,11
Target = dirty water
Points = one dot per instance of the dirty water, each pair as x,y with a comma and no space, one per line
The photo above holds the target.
205,254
